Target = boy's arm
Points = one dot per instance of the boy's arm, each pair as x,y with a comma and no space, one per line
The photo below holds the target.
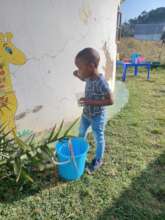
77,74
108,98
103,102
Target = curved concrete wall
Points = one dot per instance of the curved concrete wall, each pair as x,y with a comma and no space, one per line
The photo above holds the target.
50,33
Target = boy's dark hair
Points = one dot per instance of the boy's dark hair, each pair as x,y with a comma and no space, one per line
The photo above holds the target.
89,55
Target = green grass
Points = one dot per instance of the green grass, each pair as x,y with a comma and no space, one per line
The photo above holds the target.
130,185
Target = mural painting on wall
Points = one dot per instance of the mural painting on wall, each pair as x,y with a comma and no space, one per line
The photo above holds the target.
9,54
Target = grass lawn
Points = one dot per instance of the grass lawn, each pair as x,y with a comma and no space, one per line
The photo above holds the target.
130,185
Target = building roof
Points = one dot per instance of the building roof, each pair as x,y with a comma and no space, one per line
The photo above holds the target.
149,29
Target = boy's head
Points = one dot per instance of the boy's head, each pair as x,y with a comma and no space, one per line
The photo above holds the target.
87,61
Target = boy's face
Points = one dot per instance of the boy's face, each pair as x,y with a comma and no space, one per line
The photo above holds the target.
86,70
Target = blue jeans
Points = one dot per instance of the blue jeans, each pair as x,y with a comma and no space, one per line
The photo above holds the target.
98,126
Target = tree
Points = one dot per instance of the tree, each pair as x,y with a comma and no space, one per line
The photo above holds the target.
153,16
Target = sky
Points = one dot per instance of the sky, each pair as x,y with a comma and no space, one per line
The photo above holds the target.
133,8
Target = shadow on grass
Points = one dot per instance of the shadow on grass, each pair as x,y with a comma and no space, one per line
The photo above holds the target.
144,199
11,191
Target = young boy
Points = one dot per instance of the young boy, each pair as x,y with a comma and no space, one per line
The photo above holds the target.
97,96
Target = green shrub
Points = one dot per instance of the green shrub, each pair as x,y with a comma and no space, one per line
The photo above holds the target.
19,158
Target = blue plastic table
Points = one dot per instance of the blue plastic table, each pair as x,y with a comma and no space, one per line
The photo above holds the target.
135,65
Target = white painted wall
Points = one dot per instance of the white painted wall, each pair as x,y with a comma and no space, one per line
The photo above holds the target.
154,37
50,33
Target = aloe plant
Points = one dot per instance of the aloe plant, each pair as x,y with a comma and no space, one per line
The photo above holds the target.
18,158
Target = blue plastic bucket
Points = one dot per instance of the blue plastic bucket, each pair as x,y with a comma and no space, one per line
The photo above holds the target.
71,167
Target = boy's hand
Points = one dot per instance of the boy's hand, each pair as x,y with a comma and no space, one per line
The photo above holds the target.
75,73
84,101
107,101
78,75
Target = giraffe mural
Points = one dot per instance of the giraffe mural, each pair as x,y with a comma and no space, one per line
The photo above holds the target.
9,54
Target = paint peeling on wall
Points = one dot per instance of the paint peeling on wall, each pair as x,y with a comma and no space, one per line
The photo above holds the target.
24,114
37,108
109,64
20,116
9,54
85,12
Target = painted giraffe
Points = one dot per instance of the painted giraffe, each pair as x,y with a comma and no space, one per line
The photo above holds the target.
9,54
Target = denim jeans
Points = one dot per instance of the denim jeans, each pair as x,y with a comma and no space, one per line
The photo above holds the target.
98,126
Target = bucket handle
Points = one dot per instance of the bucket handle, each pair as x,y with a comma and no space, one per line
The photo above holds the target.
59,163
72,154
67,161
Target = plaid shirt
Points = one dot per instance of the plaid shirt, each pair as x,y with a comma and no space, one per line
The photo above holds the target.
96,90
